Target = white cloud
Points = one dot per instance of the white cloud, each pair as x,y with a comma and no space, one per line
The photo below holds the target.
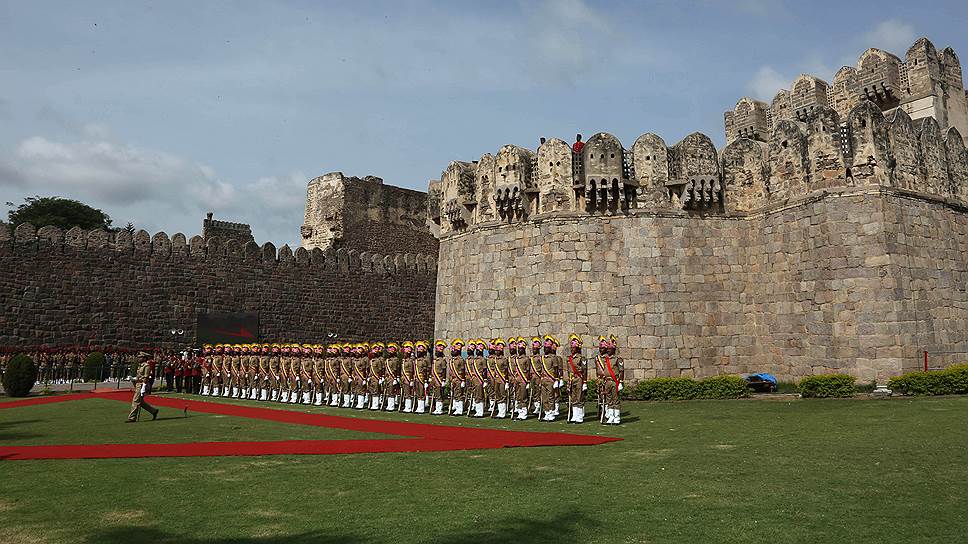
153,189
891,35
567,40
766,82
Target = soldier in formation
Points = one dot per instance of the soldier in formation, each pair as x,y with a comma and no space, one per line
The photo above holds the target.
457,371
611,374
501,378
577,382
438,377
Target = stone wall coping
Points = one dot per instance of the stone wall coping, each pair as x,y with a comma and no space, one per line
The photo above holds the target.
178,247
776,207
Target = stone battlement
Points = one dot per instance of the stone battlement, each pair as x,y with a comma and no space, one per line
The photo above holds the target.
818,150
925,83
214,228
364,214
160,246
101,288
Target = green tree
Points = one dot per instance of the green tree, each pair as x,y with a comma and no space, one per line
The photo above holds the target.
60,212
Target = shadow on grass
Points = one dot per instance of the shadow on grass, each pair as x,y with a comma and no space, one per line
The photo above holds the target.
129,535
564,527
520,530
6,432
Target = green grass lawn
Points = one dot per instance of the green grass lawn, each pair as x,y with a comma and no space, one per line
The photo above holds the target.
713,471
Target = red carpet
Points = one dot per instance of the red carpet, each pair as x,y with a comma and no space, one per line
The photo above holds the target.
420,436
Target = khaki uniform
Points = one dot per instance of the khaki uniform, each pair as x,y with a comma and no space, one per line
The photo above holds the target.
550,369
520,369
374,381
576,368
457,371
391,381
421,365
477,375
275,377
319,371
361,370
497,371
140,390
346,379
407,383
438,378
331,368
611,374
263,376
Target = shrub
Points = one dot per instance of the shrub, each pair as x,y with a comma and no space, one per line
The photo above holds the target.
718,387
827,385
950,381
663,389
787,387
723,387
20,376
94,366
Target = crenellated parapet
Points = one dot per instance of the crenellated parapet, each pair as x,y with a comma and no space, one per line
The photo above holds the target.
925,83
177,248
815,148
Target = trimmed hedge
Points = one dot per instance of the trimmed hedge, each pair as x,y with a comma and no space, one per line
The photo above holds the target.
950,381
20,376
718,387
94,367
827,385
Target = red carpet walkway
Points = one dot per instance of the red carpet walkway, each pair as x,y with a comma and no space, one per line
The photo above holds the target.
419,436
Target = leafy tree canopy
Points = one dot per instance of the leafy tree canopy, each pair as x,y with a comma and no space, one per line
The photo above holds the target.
60,212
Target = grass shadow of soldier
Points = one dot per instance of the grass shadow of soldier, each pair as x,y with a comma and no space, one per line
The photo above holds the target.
564,527
560,528
154,535
11,434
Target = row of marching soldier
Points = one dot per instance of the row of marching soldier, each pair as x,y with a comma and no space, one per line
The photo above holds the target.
497,378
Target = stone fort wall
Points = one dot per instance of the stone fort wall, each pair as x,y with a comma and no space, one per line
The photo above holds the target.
836,245
366,215
99,288
857,280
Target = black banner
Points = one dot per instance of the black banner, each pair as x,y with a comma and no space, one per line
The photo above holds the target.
228,328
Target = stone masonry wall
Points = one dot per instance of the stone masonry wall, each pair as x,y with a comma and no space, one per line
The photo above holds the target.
365,215
95,288
837,280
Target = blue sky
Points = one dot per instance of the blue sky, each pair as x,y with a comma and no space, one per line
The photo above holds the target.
158,112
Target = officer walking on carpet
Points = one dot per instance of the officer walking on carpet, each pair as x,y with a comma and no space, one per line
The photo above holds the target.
142,387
